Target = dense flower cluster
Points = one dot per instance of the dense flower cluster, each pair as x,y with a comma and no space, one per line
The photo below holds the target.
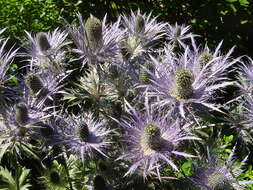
118,100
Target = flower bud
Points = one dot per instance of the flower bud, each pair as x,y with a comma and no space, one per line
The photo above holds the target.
93,29
204,58
139,24
21,113
218,181
55,177
83,132
43,42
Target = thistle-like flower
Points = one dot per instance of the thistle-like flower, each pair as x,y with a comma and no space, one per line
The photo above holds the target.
245,77
46,50
152,138
177,34
182,82
217,176
45,86
96,41
142,33
85,136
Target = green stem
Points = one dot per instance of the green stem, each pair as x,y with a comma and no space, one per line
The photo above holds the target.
67,171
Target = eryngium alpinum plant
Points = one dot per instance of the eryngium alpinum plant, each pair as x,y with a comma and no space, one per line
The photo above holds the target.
124,105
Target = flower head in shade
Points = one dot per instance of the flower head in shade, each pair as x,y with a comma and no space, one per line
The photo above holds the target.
142,33
181,81
217,176
46,50
96,41
245,77
177,34
45,87
85,136
152,140
19,124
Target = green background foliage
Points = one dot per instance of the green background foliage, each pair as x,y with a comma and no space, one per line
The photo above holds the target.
214,20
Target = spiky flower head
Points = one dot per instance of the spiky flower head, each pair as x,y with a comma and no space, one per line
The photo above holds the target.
43,42
45,87
216,175
35,84
46,50
142,34
96,41
85,136
152,139
178,34
179,81
93,29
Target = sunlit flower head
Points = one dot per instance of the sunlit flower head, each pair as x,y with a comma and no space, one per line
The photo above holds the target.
152,140
85,136
46,50
142,34
96,42
215,175
182,81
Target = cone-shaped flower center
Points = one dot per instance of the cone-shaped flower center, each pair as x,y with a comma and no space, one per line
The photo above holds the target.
184,80
144,76
139,24
36,86
93,29
218,181
43,42
45,129
21,113
178,31
55,178
99,183
152,137
204,58
83,132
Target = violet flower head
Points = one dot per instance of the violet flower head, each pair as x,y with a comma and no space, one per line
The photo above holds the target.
85,136
217,176
45,87
245,77
142,33
46,50
177,34
95,40
182,81
152,140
